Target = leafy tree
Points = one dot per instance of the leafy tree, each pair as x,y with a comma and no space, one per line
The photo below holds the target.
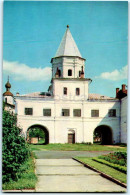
36,132
14,148
97,135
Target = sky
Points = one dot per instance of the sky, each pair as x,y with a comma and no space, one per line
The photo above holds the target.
32,32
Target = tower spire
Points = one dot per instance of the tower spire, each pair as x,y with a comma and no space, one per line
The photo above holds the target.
68,46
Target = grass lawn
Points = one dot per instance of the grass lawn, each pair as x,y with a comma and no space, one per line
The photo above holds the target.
27,178
77,147
105,169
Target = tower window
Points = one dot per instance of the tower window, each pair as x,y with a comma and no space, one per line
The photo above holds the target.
69,72
65,90
59,71
94,113
77,91
65,112
28,111
79,73
112,113
77,112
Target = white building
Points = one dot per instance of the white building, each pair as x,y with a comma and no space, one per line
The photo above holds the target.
68,112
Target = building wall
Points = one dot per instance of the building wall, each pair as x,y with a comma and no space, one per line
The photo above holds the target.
9,99
124,105
59,126
59,84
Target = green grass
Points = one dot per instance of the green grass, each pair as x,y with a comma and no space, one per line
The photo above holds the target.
76,147
27,178
105,169
41,141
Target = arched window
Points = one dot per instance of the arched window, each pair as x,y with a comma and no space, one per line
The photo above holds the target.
5,100
65,90
59,71
77,91
69,72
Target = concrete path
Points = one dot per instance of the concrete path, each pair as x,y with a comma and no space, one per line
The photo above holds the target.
67,154
67,175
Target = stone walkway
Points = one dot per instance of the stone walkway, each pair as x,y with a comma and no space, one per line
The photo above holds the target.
68,154
67,175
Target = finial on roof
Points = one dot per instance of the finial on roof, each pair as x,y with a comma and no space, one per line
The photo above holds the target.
8,85
67,26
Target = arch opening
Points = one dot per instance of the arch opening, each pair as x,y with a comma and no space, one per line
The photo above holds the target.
38,134
103,135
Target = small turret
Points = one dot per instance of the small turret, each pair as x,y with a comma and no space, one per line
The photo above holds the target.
8,96
7,86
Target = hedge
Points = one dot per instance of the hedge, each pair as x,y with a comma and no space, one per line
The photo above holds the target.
115,166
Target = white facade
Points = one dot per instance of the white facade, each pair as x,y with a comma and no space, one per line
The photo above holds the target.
124,105
59,126
71,84
69,97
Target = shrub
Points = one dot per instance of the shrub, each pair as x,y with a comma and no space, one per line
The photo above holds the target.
14,148
115,166
119,158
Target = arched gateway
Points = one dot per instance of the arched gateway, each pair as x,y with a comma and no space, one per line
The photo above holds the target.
42,128
103,135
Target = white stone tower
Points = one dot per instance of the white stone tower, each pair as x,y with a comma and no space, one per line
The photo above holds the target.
68,71
68,59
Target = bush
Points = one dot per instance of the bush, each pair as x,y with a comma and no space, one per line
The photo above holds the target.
26,177
115,166
14,148
119,158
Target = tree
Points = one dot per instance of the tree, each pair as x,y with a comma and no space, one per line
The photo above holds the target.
14,148
36,132
97,135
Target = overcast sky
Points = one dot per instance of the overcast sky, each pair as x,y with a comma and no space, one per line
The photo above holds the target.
33,32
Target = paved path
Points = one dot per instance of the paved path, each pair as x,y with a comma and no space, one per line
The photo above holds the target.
67,175
67,154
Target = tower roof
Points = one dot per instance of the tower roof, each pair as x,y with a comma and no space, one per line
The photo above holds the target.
68,46
8,86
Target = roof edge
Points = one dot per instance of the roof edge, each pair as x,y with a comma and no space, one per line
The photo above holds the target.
68,56
77,79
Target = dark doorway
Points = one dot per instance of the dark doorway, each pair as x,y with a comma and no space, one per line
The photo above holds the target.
39,134
103,135
71,138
